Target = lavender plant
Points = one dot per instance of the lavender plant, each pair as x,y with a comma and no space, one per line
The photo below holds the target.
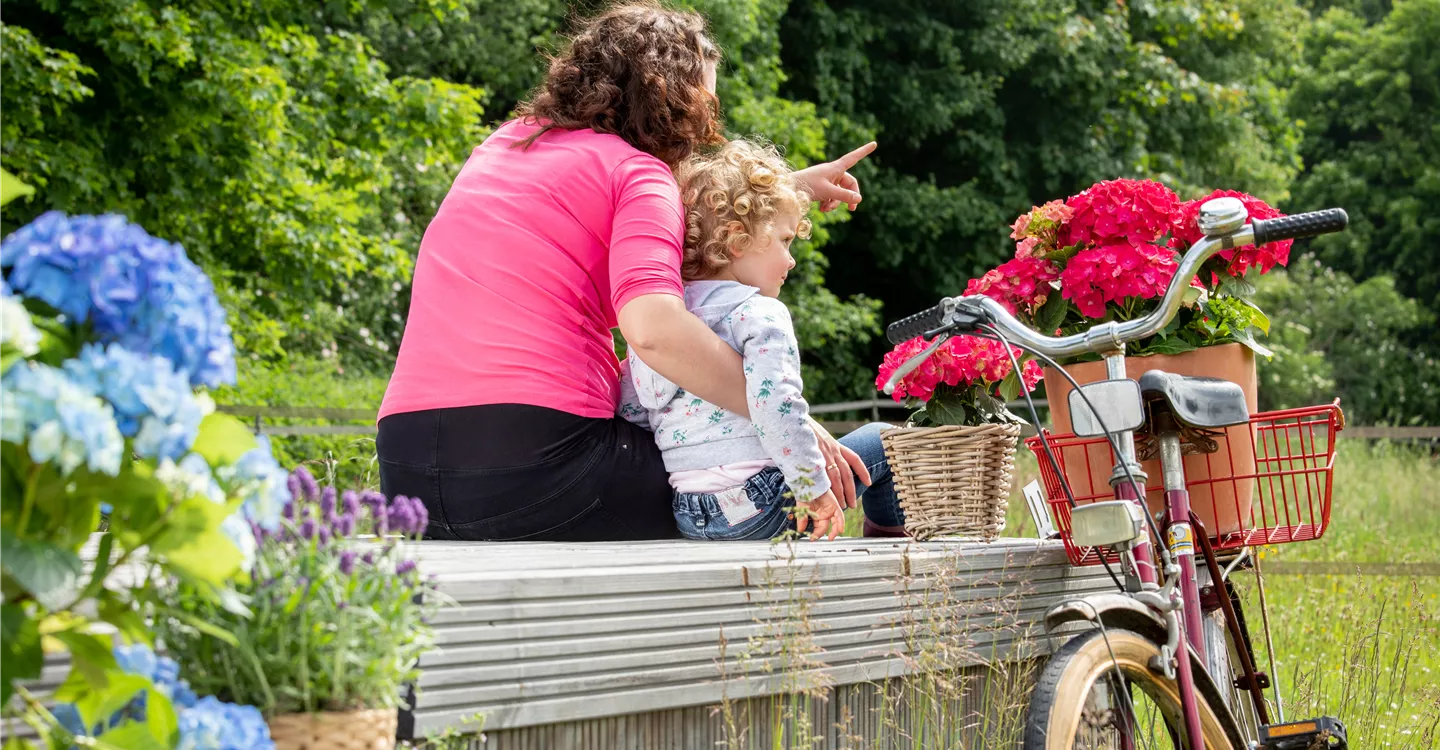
338,619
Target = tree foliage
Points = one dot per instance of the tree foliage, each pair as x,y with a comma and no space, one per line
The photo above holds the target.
986,108
288,161
1370,106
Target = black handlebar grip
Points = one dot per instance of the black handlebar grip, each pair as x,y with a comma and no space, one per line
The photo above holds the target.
905,329
1300,225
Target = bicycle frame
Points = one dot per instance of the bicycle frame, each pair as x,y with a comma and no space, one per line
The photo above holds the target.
1178,536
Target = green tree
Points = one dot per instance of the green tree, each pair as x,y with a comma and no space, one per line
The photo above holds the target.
1370,107
985,108
1335,337
287,161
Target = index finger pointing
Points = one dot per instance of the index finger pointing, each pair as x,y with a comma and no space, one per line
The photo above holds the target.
851,159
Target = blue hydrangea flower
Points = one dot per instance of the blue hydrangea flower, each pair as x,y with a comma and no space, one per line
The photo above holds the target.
258,478
61,420
212,724
135,289
153,403
16,328
138,659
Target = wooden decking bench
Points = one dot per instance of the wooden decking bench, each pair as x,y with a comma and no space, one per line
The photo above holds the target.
686,645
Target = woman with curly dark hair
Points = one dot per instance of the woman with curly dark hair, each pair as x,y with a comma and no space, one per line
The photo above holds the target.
563,224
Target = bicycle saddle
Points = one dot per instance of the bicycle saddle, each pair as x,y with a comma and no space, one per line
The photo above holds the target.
1204,403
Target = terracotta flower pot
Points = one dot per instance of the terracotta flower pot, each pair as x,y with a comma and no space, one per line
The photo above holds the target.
1220,505
366,729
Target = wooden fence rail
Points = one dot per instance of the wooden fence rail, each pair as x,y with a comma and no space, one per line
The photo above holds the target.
257,415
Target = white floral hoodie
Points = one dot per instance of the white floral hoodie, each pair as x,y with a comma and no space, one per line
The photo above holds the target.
695,434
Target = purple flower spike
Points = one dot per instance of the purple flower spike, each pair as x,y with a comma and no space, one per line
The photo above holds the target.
350,503
373,500
345,525
347,561
404,566
309,528
402,517
327,504
308,487
289,511
368,558
324,535
422,516
292,483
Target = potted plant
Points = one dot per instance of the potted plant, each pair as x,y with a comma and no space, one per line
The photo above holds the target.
337,621
1108,253
953,461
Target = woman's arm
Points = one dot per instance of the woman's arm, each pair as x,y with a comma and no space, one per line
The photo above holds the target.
679,346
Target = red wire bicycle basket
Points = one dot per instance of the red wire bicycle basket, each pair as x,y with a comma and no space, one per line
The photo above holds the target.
1285,498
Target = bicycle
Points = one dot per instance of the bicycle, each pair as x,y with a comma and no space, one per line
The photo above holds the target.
1157,638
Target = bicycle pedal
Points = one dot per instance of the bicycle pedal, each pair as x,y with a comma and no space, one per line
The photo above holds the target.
1324,733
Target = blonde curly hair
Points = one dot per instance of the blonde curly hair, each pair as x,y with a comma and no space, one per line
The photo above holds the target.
731,198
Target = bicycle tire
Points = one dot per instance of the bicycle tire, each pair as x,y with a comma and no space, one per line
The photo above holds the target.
1058,701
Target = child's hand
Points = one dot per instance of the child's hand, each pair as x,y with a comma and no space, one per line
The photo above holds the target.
828,516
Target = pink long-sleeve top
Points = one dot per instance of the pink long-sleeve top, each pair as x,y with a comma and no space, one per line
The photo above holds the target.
523,268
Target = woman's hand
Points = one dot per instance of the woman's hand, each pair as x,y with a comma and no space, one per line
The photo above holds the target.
828,516
831,183
839,463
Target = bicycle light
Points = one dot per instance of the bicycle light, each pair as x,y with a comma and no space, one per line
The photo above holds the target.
1107,524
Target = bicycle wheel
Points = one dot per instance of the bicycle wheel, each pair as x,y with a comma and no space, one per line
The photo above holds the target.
1081,702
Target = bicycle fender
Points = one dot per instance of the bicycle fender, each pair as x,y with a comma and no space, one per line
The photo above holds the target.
1111,610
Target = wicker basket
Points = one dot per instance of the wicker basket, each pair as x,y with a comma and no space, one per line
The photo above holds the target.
368,729
953,481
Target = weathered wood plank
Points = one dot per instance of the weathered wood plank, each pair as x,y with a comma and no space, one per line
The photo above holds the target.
544,633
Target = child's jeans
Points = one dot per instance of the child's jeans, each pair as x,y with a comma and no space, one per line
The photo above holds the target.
761,509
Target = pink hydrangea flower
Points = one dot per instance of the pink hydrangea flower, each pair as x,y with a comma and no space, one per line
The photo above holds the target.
1185,232
1112,273
963,361
1021,282
1119,211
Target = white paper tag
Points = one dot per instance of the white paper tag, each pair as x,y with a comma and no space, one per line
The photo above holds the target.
735,503
1039,509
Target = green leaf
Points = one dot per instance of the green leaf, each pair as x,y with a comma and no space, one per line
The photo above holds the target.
92,662
15,743
20,655
99,705
1010,386
192,544
1257,317
133,735
161,718
1237,287
11,188
126,619
1248,339
1051,314
47,571
223,439
1172,345
945,410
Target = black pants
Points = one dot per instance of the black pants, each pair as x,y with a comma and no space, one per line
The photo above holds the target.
506,472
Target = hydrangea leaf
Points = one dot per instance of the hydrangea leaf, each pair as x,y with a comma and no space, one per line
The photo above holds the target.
223,439
20,654
47,571
11,188
134,735
193,544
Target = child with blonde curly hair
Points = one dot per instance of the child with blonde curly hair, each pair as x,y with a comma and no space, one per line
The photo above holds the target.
735,477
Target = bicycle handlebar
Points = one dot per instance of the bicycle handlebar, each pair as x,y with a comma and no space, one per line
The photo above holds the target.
1222,220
